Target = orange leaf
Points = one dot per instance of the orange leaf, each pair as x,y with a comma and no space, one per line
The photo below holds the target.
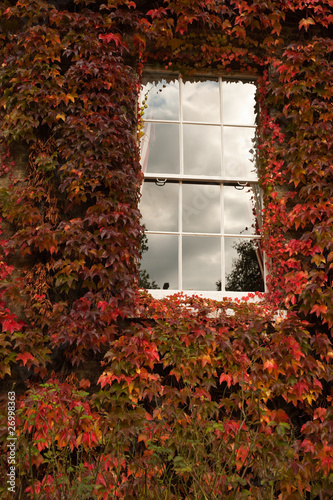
306,22
270,365
84,383
25,357
319,309
319,413
227,378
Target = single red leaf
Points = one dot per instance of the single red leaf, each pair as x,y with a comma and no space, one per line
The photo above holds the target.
25,357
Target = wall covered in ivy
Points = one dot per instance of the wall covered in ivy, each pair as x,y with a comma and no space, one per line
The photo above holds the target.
119,395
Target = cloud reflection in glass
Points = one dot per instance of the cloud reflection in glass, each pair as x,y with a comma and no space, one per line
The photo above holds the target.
195,133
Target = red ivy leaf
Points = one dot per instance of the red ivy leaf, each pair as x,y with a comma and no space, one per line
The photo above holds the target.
25,357
116,38
11,326
104,379
84,383
319,413
308,446
319,309
301,389
226,378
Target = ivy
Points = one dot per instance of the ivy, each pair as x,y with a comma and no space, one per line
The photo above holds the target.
183,397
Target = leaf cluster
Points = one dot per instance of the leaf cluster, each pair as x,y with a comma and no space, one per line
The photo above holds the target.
187,398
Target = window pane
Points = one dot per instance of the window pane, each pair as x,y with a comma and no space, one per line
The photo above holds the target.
202,150
244,265
159,206
239,210
201,262
161,99
237,143
217,142
160,148
159,263
201,101
201,208
238,103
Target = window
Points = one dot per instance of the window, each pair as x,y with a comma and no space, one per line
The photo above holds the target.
201,204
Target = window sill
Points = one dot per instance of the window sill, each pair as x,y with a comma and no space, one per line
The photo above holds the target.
212,295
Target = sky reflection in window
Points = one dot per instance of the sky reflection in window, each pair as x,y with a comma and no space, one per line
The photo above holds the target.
160,148
237,145
201,262
238,100
238,210
202,150
201,101
159,206
207,165
160,261
201,208
162,100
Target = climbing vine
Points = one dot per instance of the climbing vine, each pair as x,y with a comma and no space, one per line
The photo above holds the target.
118,393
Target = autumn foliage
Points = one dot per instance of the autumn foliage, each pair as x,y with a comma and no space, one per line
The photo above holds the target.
120,395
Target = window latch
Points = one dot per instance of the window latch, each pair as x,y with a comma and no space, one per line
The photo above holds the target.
160,182
240,185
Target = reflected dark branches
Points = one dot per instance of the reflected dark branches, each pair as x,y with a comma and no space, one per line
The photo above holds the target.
246,273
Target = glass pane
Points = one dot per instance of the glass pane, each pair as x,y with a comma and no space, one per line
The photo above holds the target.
159,263
239,216
238,101
201,208
243,265
201,101
160,148
201,262
161,99
202,150
238,152
159,206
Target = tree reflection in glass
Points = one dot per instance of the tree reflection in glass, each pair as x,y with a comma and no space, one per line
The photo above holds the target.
245,265
201,202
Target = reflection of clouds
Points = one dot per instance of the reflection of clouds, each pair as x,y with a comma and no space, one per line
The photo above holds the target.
201,101
202,150
201,262
161,260
163,149
238,101
159,206
201,208
162,100
237,143
201,204
238,213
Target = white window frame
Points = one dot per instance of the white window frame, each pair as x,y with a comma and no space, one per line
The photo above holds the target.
212,294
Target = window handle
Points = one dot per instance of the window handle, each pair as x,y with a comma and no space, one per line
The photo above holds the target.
160,182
